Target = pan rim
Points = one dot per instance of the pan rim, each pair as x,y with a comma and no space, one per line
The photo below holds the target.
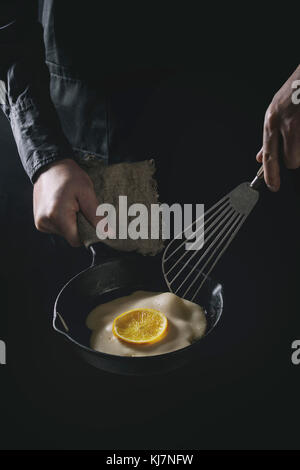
126,358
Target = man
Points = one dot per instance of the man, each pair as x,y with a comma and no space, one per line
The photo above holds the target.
56,92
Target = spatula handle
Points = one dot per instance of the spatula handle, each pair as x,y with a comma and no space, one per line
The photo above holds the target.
259,178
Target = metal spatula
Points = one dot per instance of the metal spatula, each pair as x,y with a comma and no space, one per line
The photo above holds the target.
186,271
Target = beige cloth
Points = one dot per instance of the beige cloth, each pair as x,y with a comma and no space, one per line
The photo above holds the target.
134,180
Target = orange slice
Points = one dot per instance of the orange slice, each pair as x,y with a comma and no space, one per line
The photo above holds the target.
140,326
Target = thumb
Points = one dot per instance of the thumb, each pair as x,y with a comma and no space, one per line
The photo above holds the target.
88,205
259,156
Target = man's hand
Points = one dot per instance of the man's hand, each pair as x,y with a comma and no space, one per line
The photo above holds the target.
282,123
59,193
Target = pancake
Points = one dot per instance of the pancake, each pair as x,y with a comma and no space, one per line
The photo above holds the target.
186,323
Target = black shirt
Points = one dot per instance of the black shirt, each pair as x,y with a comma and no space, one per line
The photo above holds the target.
75,78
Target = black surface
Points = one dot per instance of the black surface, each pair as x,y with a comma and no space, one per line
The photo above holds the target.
248,396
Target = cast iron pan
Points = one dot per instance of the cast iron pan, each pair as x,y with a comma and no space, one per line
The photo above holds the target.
112,275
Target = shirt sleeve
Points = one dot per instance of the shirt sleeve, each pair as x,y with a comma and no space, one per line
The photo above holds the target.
25,88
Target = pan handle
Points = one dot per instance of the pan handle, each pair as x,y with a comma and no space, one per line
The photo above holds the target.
101,252
258,180
87,234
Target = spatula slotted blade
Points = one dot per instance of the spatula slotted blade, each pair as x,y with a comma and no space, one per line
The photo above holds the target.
185,271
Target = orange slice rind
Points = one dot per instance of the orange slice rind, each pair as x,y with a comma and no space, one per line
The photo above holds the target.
140,326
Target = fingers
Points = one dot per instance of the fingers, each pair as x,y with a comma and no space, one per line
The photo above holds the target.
291,149
259,156
69,230
88,204
270,152
60,192
281,126
61,222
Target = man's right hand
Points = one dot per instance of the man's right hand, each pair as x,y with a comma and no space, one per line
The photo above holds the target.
60,191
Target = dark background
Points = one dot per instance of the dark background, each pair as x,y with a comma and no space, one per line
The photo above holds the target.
243,393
